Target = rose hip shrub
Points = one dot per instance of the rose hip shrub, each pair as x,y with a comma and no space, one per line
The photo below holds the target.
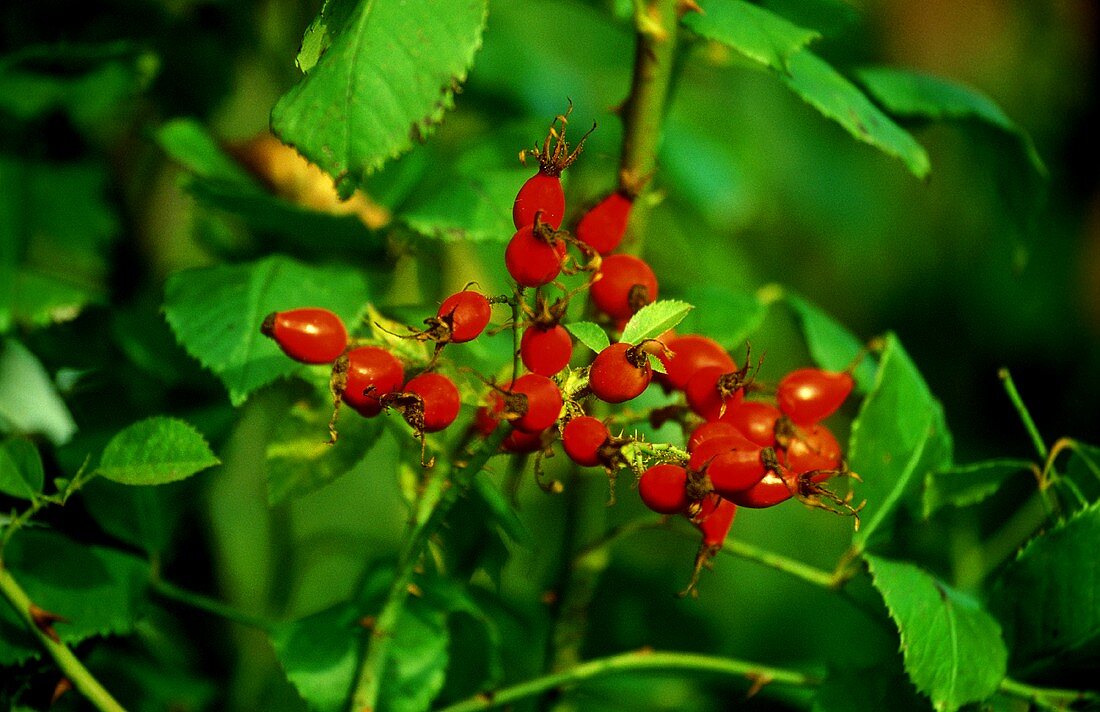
340,372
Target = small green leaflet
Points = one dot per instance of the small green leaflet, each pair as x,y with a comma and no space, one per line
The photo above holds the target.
591,335
898,437
155,451
216,314
828,91
101,592
1047,599
964,485
751,30
21,473
952,648
320,653
380,76
654,319
832,346
29,401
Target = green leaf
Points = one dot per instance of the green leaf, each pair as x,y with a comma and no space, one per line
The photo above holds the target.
475,205
503,514
726,315
189,144
751,30
100,592
832,346
155,451
899,436
29,402
143,517
21,473
829,17
952,648
1047,599
320,654
964,485
385,78
654,319
88,82
417,664
825,89
591,335
300,459
915,95
216,314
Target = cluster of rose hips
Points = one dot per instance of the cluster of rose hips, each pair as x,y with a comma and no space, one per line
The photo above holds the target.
740,452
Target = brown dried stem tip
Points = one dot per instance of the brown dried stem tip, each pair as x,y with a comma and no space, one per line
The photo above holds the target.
555,158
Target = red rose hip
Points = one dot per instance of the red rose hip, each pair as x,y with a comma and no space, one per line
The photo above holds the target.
307,335
372,372
619,372
582,439
546,351
663,488
467,313
809,395
626,284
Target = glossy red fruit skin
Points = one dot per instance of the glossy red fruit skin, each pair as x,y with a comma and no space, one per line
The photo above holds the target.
715,519
488,416
546,351
441,400
604,225
772,490
532,261
703,396
708,431
308,335
469,313
690,353
371,366
518,441
543,403
582,438
614,379
618,274
732,463
813,448
755,420
809,395
663,488
540,192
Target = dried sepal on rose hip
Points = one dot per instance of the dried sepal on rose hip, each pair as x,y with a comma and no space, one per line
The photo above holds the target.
713,518
713,390
308,335
429,403
542,192
623,285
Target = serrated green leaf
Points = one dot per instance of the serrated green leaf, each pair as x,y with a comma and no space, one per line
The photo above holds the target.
155,451
320,653
1047,599
751,30
828,91
832,346
656,364
898,437
728,316
21,473
916,95
654,319
952,648
100,593
29,402
476,206
143,517
386,76
299,457
964,485
591,335
216,314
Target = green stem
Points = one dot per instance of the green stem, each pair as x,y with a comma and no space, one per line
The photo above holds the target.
792,567
1025,416
648,661
369,675
1045,697
209,605
517,329
70,665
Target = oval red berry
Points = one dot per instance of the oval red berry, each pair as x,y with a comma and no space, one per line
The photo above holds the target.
582,439
540,192
626,284
440,399
372,373
546,351
663,488
467,313
307,335
614,379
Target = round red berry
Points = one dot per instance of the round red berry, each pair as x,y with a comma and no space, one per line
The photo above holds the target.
541,192
812,448
732,463
582,438
689,353
619,373
307,335
546,350
663,488
440,401
372,372
604,225
809,395
467,313
531,259
706,431
712,390
626,284
541,402
755,420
